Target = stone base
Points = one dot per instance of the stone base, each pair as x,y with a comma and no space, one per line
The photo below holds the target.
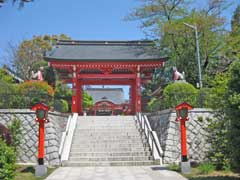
185,167
40,170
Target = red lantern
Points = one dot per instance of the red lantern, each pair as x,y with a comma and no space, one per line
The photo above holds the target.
41,117
182,116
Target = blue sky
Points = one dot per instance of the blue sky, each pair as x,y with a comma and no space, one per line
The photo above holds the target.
79,19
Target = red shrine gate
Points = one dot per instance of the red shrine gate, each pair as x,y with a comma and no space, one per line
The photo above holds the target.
105,63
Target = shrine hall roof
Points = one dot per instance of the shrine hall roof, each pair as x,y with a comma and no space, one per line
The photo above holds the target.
103,50
116,95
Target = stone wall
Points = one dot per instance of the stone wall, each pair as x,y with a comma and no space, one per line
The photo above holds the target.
168,131
29,147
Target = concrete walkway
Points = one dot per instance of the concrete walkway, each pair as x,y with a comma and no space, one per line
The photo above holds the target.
114,173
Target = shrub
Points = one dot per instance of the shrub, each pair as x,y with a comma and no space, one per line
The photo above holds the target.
206,168
153,104
16,131
7,161
174,167
87,100
36,86
61,105
179,92
7,92
35,91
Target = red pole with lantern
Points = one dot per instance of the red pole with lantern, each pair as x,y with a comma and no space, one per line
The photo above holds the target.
41,117
182,116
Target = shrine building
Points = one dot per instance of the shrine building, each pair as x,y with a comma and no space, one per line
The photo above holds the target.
82,63
107,101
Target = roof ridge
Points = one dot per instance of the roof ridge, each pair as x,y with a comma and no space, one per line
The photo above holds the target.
105,42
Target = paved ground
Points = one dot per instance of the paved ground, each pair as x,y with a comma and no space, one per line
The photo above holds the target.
114,173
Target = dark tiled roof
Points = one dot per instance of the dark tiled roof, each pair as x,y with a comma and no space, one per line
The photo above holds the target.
114,95
103,50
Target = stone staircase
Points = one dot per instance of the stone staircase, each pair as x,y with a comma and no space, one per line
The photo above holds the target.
108,141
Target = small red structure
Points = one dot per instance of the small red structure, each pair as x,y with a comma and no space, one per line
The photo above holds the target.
41,117
182,116
106,107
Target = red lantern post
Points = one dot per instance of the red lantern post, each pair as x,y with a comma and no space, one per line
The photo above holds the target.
182,116
41,117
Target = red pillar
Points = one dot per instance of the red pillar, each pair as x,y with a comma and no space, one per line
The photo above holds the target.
79,97
133,98
183,140
74,91
138,91
41,143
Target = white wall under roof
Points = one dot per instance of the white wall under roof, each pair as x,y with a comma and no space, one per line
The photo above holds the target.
116,94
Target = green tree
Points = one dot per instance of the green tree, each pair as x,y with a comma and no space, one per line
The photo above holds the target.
234,38
165,20
233,113
28,56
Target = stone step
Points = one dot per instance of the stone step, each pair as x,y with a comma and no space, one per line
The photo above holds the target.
103,137
110,154
106,124
115,158
106,118
127,127
108,121
123,141
94,140
110,149
109,163
106,130
109,133
140,145
134,131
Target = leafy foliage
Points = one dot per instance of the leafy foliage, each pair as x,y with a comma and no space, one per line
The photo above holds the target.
28,56
166,19
7,161
87,100
5,77
62,95
206,168
177,93
61,105
5,100
233,113
219,152
37,91
16,131
174,167
214,96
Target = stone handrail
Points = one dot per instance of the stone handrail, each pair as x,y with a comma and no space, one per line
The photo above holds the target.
66,146
152,137
63,139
